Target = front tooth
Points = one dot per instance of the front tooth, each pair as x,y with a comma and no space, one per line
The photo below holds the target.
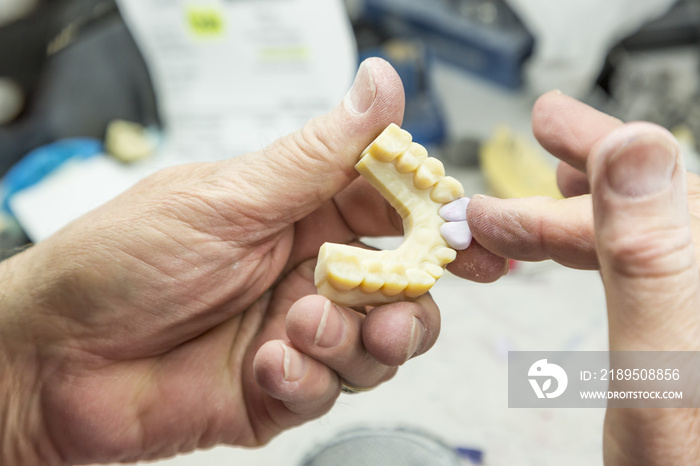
393,142
419,283
455,211
395,279
447,190
444,255
344,272
411,159
429,173
456,234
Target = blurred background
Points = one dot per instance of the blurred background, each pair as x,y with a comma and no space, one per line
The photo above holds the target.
96,94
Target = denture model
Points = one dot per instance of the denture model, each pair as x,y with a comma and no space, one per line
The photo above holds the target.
416,186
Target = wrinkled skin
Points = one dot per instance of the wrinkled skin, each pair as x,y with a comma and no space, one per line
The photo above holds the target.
183,314
632,212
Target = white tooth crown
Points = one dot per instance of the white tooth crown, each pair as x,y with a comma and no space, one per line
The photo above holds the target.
416,186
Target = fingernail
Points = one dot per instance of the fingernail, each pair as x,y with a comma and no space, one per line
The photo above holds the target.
506,269
361,95
331,329
642,166
417,334
294,365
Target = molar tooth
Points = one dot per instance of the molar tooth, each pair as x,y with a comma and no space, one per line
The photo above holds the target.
395,279
371,283
393,142
447,190
394,286
433,270
373,280
344,272
411,159
419,283
429,173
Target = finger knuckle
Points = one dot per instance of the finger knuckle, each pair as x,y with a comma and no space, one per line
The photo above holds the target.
664,250
311,144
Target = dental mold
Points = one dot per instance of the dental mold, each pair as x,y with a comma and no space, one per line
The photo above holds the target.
416,186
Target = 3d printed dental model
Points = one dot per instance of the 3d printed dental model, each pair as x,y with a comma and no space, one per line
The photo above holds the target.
416,186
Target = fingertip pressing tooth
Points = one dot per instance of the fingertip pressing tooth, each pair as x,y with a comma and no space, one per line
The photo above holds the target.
429,173
411,159
433,270
447,190
391,143
419,282
455,211
395,279
456,234
344,272
444,255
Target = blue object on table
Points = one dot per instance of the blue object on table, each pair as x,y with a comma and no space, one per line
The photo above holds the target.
474,455
40,162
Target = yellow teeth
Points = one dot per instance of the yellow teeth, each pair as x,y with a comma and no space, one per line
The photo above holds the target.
429,173
416,186
391,143
410,160
447,190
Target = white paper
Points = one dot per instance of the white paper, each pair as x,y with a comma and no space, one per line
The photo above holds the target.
69,192
230,77
263,70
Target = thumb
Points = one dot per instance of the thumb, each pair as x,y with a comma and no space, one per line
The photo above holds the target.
643,239
298,172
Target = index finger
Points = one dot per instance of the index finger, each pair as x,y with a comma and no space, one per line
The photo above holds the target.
569,129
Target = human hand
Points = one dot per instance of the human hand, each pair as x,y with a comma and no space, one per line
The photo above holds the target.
183,313
640,227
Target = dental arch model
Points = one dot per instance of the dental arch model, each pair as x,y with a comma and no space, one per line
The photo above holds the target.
416,186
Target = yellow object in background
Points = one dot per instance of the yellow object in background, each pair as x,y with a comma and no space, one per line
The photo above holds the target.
128,141
514,167
205,21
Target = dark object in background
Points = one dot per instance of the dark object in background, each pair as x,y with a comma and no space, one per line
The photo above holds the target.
79,68
654,74
380,446
483,37
423,116
680,26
